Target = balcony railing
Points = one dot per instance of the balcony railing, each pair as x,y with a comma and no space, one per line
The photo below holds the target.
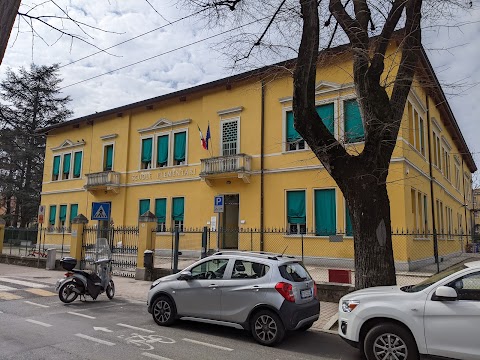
105,180
238,165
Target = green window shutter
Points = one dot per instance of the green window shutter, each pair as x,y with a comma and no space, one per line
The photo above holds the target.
327,114
348,222
77,164
144,206
354,131
161,210
292,134
296,207
147,150
63,213
177,208
66,163
162,150
325,212
179,146
108,157
73,212
52,215
56,165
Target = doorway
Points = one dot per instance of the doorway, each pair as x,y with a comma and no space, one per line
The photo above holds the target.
229,222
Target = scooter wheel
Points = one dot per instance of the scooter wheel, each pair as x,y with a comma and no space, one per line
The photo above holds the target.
66,293
110,291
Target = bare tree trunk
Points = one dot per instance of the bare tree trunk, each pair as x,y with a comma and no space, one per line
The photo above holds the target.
8,12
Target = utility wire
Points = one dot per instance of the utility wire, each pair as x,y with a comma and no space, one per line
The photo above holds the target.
164,53
133,38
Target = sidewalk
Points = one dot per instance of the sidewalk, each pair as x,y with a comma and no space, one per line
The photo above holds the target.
133,290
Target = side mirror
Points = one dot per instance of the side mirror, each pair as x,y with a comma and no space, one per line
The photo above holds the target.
445,293
185,275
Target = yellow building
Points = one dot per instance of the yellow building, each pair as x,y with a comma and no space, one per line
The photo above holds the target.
148,156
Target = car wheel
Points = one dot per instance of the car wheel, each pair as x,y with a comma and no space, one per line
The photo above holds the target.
390,342
267,328
163,311
305,327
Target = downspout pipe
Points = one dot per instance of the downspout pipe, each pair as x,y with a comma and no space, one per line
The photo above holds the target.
262,152
432,198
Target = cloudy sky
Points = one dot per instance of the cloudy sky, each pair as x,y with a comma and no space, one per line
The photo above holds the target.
180,57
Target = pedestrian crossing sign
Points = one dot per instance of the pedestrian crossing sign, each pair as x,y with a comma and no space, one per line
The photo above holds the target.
100,211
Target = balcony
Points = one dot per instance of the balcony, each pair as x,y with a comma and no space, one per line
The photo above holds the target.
103,181
224,167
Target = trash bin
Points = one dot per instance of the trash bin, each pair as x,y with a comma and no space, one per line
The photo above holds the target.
148,259
51,258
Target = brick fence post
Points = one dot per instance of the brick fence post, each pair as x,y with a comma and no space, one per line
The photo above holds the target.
2,234
146,224
78,225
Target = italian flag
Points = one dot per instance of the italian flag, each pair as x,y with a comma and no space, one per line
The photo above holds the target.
202,139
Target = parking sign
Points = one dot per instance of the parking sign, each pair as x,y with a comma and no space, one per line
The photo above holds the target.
218,204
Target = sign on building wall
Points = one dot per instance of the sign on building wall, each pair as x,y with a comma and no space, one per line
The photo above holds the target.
218,204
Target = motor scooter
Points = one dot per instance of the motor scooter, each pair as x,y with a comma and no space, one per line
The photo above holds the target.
87,282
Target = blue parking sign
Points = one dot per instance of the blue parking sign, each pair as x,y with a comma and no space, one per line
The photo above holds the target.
101,211
218,204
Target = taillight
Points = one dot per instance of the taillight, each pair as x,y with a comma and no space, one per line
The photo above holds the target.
286,290
314,290
68,274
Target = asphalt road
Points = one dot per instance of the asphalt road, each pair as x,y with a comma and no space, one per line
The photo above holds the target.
34,324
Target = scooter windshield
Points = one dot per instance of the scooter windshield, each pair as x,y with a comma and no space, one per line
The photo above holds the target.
103,249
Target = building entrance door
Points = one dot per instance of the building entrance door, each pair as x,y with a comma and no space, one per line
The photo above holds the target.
229,222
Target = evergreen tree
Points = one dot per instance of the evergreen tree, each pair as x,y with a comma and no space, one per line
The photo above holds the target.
30,100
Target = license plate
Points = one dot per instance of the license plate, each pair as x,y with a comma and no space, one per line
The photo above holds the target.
306,293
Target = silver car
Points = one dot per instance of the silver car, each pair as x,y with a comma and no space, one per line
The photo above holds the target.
264,293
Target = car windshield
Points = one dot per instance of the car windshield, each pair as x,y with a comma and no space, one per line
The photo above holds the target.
432,279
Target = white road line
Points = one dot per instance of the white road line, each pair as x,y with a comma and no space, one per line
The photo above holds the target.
38,322
86,337
153,356
136,328
39,305
23,283
82,315
207,344
6,288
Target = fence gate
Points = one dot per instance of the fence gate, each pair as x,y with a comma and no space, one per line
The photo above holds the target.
123,243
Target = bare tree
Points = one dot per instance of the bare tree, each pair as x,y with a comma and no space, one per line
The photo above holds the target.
381,94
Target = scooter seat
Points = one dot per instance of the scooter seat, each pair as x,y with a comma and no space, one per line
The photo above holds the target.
89,274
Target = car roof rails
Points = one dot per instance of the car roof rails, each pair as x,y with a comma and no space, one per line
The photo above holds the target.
263,254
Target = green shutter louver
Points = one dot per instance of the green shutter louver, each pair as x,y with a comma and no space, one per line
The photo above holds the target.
73,212
161,210
354,131
179,146
325,212
66,163
144,206
162,150
296,207
108,157
327,113
348,222
52,215
147,150
56,165
63,213
292,134
77,164
178,208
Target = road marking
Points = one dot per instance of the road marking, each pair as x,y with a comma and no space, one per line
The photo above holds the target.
41,292
82,315
86,337
6,288
153,356
136,328
207,344
102,329
9,296
39,305
38,322
23,283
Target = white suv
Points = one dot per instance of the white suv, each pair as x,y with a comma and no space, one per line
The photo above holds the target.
438,317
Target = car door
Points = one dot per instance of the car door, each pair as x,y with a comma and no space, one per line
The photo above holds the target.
452,328
245,289
201,296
